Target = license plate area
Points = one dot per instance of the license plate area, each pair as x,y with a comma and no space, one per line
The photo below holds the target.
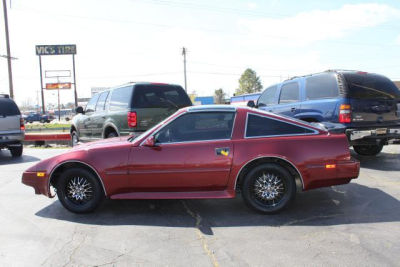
381,131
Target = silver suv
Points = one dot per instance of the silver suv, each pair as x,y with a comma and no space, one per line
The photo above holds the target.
12,129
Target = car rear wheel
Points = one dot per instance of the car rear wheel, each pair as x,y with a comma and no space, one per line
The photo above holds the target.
112,135
268,188
16,151
79,191
74,138
368,150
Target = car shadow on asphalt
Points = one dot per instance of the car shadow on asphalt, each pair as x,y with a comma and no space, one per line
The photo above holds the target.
346,204
6,158
381,162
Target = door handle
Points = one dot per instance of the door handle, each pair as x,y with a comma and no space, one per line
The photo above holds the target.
222,151
293,109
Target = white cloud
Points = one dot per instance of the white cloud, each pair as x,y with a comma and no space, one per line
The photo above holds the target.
251,5
308,27
397,40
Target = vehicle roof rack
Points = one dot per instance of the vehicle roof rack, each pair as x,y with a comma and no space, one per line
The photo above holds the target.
4,96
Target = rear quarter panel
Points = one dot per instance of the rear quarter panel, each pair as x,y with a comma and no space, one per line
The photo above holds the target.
309,154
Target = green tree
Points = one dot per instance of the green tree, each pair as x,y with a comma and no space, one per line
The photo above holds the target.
249,83
219,96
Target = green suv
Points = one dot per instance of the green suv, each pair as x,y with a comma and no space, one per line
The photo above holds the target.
129,109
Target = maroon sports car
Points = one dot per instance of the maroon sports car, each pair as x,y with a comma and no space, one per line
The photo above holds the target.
201,152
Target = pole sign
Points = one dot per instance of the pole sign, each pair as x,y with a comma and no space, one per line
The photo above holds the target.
49,50
56,86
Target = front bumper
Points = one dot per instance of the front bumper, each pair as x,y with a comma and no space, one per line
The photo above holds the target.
40,184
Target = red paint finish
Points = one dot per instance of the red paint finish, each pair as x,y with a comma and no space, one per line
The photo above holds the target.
131,170
47,137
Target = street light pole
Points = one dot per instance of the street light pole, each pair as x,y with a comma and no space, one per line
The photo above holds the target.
10,81
184,65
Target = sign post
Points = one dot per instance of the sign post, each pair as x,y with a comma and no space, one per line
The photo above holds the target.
54,50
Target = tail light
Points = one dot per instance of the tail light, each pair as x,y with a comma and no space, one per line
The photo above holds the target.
345,113
21,124
132,119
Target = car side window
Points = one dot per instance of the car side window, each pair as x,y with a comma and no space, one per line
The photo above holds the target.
102,101
322,86
121,98
268,97
260,126
198,126
289,93
91,105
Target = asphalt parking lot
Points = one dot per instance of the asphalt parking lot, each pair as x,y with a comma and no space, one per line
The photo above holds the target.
351,225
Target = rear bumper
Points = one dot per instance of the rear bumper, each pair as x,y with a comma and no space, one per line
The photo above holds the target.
371,135
343,173
11,139
40,184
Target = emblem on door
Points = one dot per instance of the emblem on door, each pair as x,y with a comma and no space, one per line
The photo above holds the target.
222,151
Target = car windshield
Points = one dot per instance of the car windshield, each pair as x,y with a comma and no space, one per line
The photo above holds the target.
132,138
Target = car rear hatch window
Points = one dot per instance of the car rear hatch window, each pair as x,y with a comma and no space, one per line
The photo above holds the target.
154,102
9,115
373,98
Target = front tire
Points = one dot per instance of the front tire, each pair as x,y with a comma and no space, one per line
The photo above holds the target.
368,150
74,138
268,188
79,191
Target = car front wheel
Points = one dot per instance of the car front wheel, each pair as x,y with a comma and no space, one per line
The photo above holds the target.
74,138
268,188
368,150
79,191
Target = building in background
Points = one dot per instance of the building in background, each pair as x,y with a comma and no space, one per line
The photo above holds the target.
203,100
95,90
241,100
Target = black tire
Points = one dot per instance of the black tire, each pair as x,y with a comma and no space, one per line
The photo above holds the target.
112,135
16,151
275,185
79,179
368,150
74,138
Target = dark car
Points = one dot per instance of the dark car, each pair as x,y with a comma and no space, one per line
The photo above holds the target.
12,129
127,110
201,152
31,117
366,105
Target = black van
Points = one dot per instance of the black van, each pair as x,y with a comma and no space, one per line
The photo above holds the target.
129,109
367,105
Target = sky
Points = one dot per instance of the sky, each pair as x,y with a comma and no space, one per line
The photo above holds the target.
141,40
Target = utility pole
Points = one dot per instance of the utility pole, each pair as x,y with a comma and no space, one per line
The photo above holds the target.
184,66
10,81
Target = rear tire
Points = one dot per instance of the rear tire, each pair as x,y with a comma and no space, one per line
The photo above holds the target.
16,151
112,135
268,188
79,191
368,150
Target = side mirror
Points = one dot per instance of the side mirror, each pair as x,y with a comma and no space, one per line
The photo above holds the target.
251,104
150,141
79,109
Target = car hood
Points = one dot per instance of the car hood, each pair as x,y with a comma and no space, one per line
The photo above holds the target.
100,143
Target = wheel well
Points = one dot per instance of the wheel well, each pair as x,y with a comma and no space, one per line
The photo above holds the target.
285,164
310,120
108,130
57,172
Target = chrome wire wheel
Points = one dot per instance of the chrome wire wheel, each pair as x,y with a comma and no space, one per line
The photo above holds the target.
269,188
79,190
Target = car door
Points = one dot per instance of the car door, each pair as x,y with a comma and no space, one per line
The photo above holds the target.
99,116
193,152
289,99
85,126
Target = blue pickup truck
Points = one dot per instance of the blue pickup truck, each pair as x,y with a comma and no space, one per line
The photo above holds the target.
31,117
366,105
